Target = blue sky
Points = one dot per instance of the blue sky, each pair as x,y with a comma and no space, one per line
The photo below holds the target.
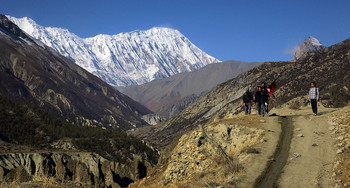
246,30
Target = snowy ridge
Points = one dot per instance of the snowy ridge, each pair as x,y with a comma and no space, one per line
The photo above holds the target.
314,41
127,58
309,44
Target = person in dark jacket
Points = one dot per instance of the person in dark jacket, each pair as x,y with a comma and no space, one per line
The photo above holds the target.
247,101
265,91
260,99
314,95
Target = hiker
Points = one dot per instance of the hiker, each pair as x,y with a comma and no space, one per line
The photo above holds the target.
265,91
314,95
260,99
247,101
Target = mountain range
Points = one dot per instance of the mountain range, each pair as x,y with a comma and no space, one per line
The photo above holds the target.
169,96
124,59
210,142
34,73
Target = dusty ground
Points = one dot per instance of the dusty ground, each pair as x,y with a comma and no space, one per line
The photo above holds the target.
255,164
312,154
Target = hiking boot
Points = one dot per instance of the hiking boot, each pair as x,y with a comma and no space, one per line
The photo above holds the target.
315,114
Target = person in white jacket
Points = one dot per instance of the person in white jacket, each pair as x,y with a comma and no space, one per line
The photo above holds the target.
314,95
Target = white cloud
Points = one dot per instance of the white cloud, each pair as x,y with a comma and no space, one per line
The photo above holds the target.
291,50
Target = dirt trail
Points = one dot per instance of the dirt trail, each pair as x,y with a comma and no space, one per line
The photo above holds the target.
256,164
311,155
304,154
275,166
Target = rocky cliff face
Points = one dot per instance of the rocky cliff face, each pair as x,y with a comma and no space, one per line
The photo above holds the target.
309,44
152,119
83,169
34,73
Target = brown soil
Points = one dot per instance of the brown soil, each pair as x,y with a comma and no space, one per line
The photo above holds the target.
275,166
311,154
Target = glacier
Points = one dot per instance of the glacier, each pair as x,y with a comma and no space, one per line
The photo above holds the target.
124,59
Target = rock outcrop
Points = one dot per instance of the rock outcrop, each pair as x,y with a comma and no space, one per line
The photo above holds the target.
309,44
340,127
152,119
86,169
211,154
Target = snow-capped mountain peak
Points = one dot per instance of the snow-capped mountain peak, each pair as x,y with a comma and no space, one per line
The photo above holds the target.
309,44
314,41
124,59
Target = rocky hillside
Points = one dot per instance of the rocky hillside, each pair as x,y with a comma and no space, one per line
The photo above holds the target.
340,127
169,96
329,68
37,149
126,58
220,153
212,144
34,73
309,44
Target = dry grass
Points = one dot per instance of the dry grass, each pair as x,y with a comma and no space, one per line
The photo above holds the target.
210,178
47,182
344,168
241,120
295,105
41,182
153,179
12,185
246,145
345,160
219,173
